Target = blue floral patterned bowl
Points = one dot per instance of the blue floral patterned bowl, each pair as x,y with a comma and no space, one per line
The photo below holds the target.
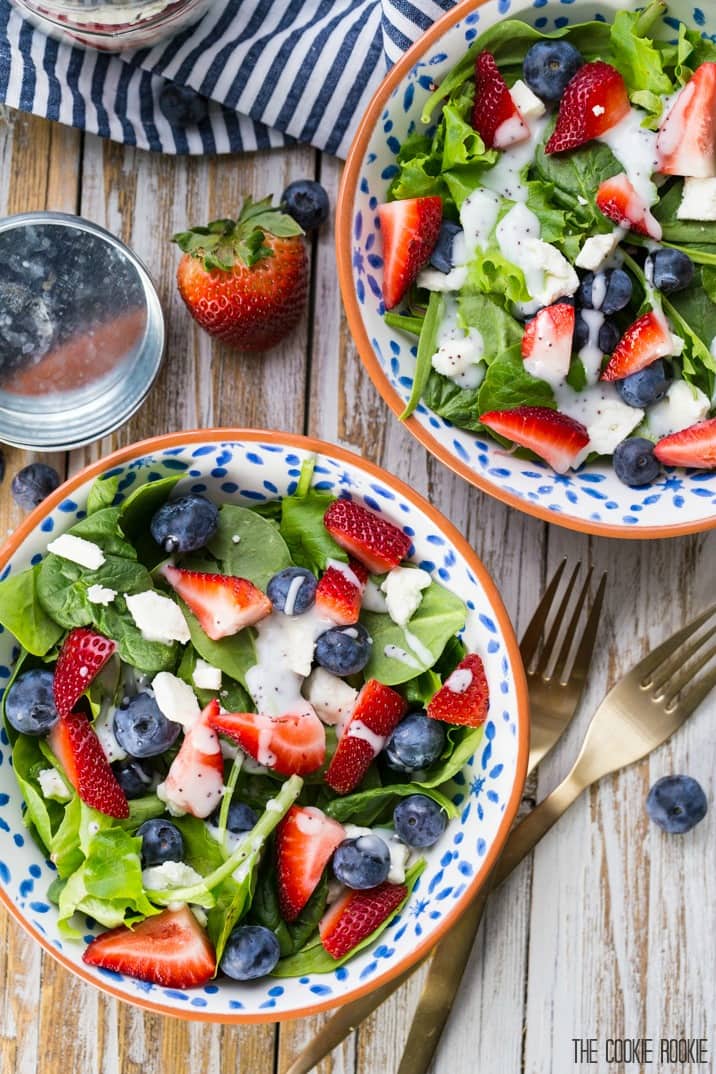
249,468
592,500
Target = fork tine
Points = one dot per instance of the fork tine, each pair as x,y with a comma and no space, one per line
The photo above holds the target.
685,675
551,640
571,630
676,665
533,633
583,656
653,660
695,696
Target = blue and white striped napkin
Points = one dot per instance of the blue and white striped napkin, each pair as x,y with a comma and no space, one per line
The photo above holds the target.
300,70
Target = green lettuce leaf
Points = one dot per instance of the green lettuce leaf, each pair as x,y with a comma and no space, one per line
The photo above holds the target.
635,55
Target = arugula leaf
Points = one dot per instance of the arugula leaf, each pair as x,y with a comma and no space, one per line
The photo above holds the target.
24,616
102,494
440,615
507,384
313,958
427,345
260,551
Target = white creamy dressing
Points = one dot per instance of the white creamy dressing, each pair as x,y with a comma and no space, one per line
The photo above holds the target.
416,646
550,356
294,588
459,351
548,275
635,148
394,652
590,355
284,651
358,729
459,681
504,177
607,419
373,599
682,406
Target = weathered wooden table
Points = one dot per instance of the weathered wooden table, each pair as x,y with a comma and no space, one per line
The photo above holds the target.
609,933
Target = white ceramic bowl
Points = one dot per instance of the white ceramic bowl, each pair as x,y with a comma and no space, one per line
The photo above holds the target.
591,500
249,467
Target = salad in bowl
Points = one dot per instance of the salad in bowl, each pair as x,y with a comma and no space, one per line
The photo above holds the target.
239,723
546,255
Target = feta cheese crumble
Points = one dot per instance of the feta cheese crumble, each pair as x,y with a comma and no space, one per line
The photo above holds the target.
176,699
683,405
100,594
403,588
77,550
52,785
527,102
157,617
331,697
698,200
206,676
170,874
597,249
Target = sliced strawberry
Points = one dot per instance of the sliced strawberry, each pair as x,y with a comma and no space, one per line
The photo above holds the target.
495,116
340,592
695,446
375,542
305,840
195,781
686,143
170,949
620,202
292,744
75,744
547,340
553,436
594,101
223,604
410,229
83,654
464,697
377,711
356,914
647,339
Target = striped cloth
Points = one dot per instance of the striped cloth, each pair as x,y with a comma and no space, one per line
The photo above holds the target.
298,70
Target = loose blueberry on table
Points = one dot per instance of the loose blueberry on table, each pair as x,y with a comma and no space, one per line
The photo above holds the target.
677,804
564,184
207,713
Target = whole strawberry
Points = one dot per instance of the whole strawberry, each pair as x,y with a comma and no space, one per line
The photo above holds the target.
245,281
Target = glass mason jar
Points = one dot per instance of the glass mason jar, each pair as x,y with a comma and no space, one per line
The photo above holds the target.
111,25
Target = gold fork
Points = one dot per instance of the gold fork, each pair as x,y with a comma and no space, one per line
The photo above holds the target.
554,696
638,714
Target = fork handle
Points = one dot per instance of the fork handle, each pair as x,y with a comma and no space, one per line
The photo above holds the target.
536,824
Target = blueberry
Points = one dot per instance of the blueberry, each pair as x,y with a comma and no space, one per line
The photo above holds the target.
33,484
142,729
672,270
251,951
441,257
30,704
182,106
419,821
581,333
134,778
615,288
241,818
635,462
548,67
647,386
415,743
609,336
344,650
161,841
363,862
185,524
307,202
292,590
676,804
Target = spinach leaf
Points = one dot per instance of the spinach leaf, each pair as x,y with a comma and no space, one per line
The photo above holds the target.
577,175
24,616
201,851
368,807
233,655
450,401
313,958
103,528
440,615
102,493
136,513
260,551
507,384
308,540
427,345
681,231
265,909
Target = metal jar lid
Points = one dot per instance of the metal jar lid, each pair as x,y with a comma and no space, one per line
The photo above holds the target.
81,331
